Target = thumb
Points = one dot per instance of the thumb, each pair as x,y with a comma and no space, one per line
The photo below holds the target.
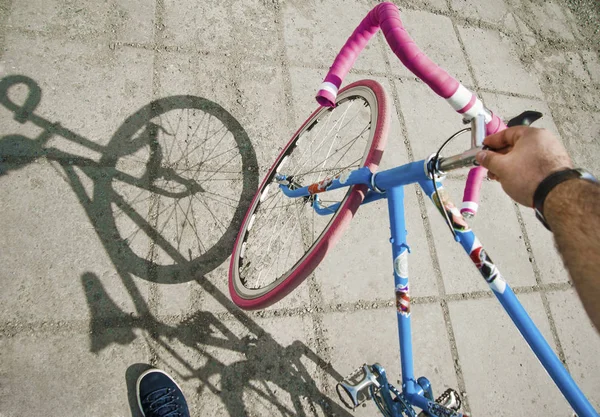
490,160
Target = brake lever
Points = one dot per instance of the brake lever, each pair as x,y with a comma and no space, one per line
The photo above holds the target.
525,119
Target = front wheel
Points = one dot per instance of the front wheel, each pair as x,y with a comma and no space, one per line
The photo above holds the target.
282,240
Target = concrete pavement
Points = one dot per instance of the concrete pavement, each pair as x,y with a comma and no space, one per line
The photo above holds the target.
102,274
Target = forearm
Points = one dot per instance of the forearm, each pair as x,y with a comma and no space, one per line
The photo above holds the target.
572,209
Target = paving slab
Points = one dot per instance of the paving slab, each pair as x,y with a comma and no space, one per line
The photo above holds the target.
576,88
130,22
203,144
360,268
550,19
245,366
84,18
580,136
209,76
304,83
543,247
489,344
245,142
579,340
429,5
507,106
435,35
133,21
263,88
211,27
215,293
495,12
98,274
180,299
315,33
429,119
113,83
495,62
54,261
592,63
40,364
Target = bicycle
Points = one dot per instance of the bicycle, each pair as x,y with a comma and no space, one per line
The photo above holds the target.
305,203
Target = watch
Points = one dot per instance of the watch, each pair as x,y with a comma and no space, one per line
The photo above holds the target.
552,181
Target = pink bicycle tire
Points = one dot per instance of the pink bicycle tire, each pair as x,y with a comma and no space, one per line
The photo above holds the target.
341,220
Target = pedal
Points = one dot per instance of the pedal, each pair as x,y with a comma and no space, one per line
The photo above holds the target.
355,388
449,400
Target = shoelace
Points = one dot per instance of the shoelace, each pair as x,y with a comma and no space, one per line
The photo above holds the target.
161,403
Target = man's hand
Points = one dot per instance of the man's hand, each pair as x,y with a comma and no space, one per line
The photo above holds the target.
520,158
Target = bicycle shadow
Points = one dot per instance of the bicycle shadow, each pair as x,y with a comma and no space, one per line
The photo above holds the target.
262,368
144,175
144,171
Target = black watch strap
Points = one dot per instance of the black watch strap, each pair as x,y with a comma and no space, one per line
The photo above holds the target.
552,181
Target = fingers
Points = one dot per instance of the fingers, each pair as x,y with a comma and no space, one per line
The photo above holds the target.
502,151
505,138
491,160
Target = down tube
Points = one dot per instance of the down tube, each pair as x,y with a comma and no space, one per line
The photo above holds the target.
395,197
515,310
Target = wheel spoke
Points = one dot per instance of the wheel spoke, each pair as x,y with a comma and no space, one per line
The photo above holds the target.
325,137
284,229
276,257
339,128
349,143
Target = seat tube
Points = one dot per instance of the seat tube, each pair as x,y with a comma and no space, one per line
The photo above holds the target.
400,250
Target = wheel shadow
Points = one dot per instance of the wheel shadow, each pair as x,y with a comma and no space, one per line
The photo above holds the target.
167,203
172,165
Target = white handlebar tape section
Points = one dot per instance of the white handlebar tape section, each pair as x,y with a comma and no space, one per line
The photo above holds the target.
327,86
477,109
460,98
469,205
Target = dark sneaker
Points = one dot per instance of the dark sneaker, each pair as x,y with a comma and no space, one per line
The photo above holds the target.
159,395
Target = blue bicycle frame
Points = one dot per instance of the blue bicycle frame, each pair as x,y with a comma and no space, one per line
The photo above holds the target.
390,185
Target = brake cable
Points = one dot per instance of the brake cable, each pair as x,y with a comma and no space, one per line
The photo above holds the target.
432,172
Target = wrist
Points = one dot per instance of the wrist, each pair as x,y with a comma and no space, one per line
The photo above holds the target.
557,201
555,185
570,200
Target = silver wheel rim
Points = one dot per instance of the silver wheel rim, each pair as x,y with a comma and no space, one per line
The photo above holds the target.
295,239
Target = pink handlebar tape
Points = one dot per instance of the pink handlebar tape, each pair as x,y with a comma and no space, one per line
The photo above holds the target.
387,17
